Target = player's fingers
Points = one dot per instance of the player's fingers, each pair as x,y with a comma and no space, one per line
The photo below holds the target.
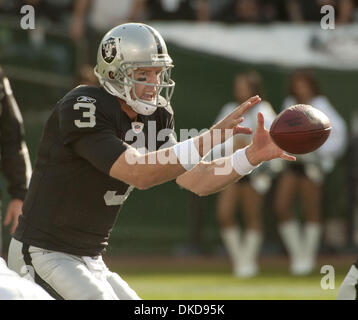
242,108
242,130
260,120
288,157
237,121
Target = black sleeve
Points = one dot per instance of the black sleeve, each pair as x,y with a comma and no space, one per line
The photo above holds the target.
90,131
101,149
15,160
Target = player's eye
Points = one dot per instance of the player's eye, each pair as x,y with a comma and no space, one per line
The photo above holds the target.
142,79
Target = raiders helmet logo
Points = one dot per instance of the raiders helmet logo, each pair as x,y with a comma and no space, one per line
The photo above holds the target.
109,49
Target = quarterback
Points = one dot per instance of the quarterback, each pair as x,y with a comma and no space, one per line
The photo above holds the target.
87,164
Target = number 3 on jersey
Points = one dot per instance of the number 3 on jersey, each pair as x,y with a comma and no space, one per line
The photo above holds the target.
88,114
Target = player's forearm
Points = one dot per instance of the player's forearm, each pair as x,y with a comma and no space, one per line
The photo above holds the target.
147,170
208,140
209,177
172,169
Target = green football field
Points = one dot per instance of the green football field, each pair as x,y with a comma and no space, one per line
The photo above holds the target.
211,278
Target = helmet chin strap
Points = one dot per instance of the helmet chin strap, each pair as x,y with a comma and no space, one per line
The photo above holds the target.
141,108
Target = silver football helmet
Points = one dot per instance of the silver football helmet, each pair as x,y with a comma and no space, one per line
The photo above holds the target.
124,49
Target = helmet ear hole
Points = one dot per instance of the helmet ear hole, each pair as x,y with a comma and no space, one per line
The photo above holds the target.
111,75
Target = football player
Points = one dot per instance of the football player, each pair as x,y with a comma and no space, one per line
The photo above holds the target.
15,160
97,146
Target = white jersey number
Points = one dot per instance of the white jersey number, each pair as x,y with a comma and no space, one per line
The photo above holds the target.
113,199
89,115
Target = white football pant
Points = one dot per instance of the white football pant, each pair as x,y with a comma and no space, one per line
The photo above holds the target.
66,276
13,287
349,287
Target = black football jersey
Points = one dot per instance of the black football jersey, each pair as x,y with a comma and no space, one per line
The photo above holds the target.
72,202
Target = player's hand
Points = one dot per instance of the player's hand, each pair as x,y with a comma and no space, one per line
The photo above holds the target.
14,210
262,147
233,120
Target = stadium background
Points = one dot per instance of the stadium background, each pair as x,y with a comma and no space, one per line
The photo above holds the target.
155,222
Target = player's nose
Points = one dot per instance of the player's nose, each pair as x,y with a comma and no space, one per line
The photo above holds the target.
153,78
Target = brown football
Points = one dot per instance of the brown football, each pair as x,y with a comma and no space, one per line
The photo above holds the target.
300,129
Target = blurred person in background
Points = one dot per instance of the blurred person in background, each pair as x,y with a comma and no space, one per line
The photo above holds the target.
56,11
15,161
241,11
310,10
92,18
86,76
306,178
243,243
251,11
10,7
59,14
197,10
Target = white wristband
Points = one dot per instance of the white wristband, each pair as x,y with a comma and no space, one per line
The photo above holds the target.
240,162
187,154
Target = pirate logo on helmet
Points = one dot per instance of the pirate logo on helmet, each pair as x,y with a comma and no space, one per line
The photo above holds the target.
109,50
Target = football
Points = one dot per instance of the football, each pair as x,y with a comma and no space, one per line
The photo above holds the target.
300,129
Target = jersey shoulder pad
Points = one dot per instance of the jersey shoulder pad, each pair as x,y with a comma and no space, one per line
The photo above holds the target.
81,112
169,109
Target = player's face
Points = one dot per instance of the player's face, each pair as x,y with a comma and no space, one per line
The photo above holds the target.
146,75
302,91
242,90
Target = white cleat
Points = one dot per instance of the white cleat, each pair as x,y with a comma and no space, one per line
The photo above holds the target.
302,267
246,271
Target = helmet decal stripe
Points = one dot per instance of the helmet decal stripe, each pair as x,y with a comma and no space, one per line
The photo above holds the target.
157,41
